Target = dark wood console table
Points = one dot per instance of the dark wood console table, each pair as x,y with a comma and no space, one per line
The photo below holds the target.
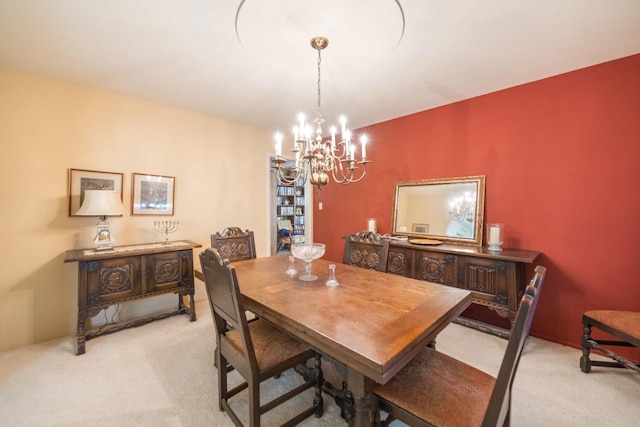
496,279
129,273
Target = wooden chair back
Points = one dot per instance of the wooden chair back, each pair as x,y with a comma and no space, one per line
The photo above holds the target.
366,249
227,308
435,389
500,401
234,244
272,353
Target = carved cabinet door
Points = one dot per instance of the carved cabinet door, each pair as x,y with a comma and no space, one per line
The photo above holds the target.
436,267
400,261
167,270
112,280
489,280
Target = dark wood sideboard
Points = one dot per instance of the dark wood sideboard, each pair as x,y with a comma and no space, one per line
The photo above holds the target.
496,279
129,273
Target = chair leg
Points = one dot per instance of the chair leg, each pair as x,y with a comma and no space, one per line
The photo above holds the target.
254,404
222,380
585,362
318,401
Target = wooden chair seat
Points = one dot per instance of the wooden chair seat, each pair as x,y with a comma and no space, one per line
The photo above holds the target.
450,393
270,345
624,325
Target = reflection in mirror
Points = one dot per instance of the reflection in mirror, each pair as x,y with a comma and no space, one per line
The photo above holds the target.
448,209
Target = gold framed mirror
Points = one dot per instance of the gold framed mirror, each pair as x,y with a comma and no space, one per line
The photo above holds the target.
446,209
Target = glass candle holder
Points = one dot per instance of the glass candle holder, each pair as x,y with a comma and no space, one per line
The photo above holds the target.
332,282
291,271
495,236
372,225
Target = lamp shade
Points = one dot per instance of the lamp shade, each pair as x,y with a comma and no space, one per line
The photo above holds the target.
101,203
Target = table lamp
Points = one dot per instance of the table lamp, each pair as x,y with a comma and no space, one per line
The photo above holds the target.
102,203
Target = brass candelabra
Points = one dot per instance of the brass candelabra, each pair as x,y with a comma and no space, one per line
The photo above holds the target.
166,227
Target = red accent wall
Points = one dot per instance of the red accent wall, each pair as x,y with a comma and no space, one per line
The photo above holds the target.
561,158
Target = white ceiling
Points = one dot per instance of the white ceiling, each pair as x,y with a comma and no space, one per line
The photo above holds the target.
250,60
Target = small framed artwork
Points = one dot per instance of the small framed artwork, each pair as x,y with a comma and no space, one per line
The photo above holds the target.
420,228
152,194
81,180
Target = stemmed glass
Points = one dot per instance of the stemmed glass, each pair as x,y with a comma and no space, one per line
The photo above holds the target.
307,252
291,271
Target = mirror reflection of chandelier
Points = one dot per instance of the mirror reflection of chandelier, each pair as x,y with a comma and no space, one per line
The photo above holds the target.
462,208
316,158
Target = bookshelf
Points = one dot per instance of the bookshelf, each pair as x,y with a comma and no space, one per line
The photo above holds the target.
290,204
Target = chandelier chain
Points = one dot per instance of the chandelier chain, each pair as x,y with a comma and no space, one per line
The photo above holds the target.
319,92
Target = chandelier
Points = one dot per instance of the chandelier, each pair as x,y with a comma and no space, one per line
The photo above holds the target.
316,158
462,208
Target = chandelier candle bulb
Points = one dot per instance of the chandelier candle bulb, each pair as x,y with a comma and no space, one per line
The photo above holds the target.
278,144
363,140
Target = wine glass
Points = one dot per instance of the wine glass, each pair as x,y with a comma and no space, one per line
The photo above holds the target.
307,252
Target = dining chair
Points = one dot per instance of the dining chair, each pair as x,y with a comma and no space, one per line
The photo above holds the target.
257,350
366,249
234,244
437,390
284,234
624,326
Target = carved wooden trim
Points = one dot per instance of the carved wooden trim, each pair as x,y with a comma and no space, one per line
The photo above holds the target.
235,250
166,270
498,307
364,258
433,269
232,232
482,278
397,263
114,279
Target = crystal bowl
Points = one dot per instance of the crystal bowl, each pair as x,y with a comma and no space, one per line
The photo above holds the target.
307,252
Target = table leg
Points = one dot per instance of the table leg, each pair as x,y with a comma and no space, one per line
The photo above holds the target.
361,388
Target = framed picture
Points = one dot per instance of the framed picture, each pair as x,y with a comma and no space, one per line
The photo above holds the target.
81,180
420,228
152,194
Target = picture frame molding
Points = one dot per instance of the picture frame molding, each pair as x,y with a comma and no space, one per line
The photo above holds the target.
141,205
420,228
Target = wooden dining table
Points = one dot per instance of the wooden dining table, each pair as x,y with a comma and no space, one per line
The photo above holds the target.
372,323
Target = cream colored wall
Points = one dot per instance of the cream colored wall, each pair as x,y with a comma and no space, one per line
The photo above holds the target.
47,127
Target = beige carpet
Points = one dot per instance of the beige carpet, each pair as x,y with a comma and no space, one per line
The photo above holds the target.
161,374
